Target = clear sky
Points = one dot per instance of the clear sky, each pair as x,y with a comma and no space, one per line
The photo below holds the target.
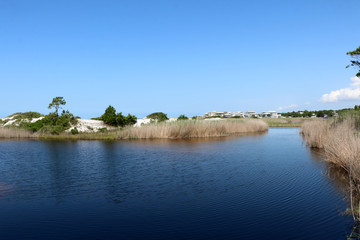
179,57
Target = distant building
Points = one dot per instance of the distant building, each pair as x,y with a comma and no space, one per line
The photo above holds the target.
223,114
251,113
270,114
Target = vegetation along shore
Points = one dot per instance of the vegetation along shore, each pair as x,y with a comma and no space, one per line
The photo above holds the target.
339,140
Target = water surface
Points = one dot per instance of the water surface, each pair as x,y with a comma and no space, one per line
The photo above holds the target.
267,186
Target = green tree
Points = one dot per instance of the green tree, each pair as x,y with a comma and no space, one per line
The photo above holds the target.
56,103
109,117
131,119
355,63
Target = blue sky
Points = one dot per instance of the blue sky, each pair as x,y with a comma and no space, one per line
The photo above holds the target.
188,56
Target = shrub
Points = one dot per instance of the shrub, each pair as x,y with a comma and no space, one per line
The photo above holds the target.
52,123
131,119
35,126
74,131
159,116
26,115
56,129
182,117
104,129
109,117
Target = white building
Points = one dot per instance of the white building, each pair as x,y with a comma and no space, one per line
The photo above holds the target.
251,113
223,114
270,114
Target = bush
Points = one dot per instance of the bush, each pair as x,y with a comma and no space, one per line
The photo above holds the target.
109,117
159,116
182,117
26,115
35,126
131,119
74,131
104,129
52,123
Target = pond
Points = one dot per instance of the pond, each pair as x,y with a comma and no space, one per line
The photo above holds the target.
268,186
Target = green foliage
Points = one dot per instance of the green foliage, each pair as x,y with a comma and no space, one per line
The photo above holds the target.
26,115
56,103
194,117
159,116
35,126
52,123
307,114
348,114
355,63
110,117
74,131
131,119
104,129
182,117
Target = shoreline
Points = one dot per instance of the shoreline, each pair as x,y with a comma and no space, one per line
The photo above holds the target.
163,130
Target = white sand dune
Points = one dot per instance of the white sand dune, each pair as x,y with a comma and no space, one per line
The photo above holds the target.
89,125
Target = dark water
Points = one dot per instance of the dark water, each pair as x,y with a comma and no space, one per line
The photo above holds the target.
255,187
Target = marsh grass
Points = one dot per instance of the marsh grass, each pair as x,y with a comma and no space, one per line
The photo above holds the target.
161,130
15,133
285,122
340,141
193,129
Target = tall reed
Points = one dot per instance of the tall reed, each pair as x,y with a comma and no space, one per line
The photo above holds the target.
15,133
173,130
340,141
193,129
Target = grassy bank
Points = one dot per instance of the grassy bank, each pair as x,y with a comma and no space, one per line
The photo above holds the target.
171,130
340,141
285,122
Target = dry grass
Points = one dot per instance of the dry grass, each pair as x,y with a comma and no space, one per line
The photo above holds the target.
15,133
193,129
341,146
171,130
341,142
315,132
285,122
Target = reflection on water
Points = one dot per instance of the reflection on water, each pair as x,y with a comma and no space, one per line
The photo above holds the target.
337,175
4,189
228,188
